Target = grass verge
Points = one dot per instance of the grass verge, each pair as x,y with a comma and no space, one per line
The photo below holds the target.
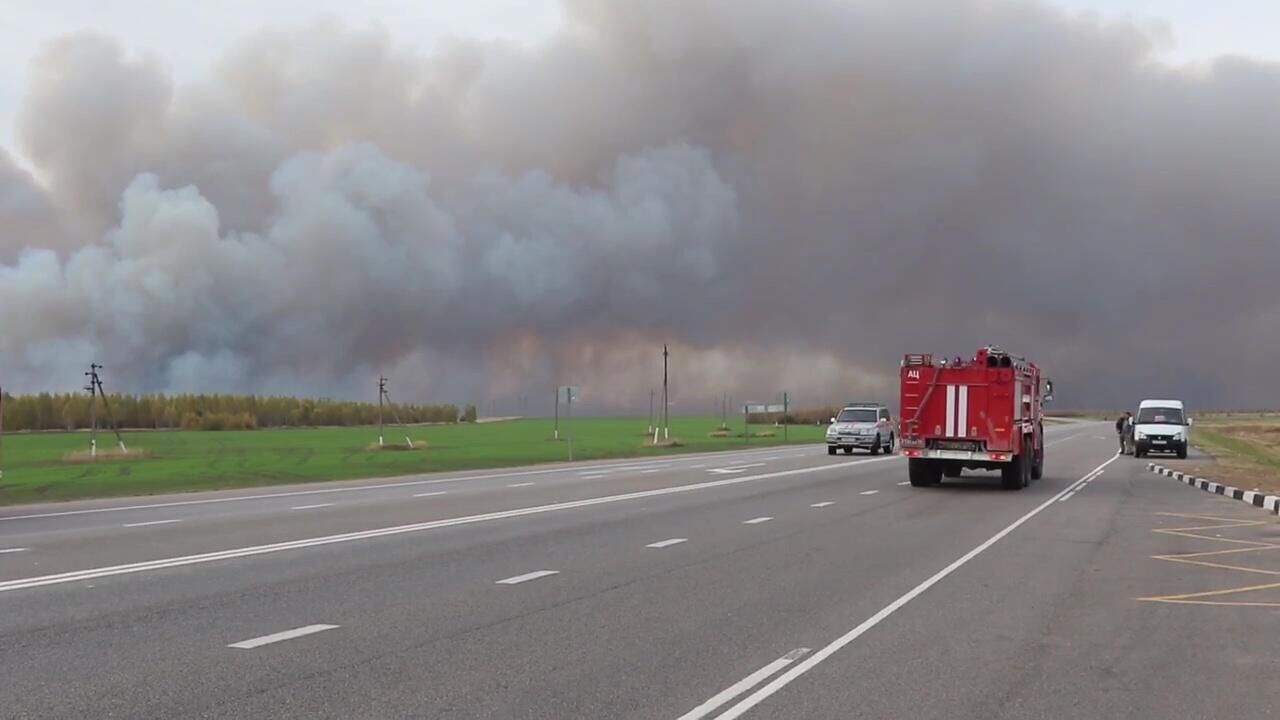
1245,453
181,461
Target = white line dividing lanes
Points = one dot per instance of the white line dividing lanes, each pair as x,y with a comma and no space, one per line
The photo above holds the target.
812,661
905,482
1077,487
432,494
253,550
527,577
4,551
743,685
823,504
280,636
518,485
153,522
667,543
868,492
734,469
311,507
756,521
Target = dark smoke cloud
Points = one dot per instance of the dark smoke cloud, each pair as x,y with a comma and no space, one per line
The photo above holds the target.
791,194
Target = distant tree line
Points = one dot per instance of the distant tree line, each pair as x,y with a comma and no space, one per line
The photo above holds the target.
70,411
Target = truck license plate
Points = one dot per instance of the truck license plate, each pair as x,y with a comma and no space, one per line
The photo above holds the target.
954,454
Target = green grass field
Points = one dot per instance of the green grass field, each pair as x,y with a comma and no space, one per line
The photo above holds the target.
36,469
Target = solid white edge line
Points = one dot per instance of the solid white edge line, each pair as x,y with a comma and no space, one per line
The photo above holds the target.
280,636
234,553
667,543
809,663
666,460
527,577
150,522
743,685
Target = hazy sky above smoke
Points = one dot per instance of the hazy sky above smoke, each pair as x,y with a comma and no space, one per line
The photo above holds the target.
484,203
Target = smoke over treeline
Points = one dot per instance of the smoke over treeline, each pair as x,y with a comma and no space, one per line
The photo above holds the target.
790,194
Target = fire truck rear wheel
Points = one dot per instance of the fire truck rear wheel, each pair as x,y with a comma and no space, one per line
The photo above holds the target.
1015,475
924,473
952,470
1037,470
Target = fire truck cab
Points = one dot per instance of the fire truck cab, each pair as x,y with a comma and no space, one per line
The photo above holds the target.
977,414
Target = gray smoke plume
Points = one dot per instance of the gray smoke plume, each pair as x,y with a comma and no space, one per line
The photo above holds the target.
790,194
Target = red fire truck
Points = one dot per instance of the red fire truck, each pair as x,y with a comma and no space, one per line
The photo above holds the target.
978,414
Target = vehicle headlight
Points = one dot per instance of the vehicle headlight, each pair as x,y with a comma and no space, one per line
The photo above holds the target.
1138,434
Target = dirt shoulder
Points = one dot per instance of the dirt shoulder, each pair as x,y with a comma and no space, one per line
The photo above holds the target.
1242,451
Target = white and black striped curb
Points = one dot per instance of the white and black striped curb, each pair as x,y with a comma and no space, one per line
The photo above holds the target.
1270,503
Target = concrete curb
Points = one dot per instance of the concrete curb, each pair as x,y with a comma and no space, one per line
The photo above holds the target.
1270,503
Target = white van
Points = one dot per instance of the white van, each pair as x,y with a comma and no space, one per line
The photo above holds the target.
1161,426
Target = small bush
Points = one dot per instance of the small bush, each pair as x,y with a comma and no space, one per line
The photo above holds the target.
114,454
393,447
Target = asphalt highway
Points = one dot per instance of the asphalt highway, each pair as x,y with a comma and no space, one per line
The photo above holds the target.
766,583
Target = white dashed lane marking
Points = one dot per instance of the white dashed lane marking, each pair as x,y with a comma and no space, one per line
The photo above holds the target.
280,636
527,577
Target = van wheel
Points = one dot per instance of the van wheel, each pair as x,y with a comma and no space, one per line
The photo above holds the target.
831,449
1182,452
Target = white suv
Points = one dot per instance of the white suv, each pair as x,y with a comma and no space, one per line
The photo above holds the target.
866,426
1161,426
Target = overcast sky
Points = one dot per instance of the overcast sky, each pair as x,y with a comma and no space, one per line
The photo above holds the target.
485,199
188,36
